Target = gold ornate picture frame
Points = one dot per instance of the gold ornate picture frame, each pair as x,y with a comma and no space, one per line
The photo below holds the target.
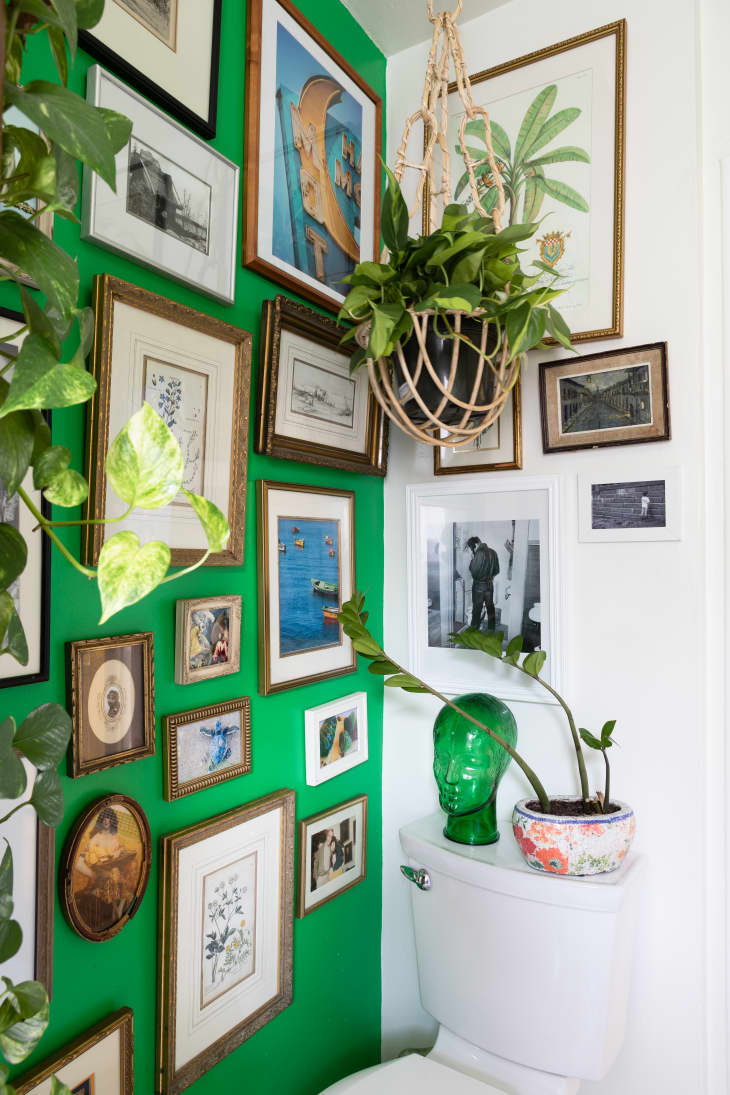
499,448
206,746
207,638
86,1064
332,853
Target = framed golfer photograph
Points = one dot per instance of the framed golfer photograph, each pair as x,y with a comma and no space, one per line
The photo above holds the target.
630,508
332,853
98,1062
336,737
207,638
206,746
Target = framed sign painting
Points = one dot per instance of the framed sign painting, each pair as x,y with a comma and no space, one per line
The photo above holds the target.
206,746
306,547
207,638
312,148
168,49
557,120
632,507
499,448
309,406
175,208
100,1062
332,853
336,737
194,370
225,945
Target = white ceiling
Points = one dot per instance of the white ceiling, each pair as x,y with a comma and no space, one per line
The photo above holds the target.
396,24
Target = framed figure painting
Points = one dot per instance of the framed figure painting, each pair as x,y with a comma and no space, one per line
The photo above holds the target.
99,1062
207,638
312,148
206,746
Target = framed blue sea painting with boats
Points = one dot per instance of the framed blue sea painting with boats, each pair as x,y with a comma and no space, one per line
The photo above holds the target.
306,573
206,746
313,131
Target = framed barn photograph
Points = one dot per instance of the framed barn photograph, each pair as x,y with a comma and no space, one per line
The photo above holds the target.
99,1062
332,853
206,746
336,737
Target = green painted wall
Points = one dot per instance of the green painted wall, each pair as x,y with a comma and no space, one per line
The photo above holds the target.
333,1025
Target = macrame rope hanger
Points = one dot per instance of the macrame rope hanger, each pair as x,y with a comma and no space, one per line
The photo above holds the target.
434,186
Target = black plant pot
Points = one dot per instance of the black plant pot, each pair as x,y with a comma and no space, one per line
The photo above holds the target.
440,351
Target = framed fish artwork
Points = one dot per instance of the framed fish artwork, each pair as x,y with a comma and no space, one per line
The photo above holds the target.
206,746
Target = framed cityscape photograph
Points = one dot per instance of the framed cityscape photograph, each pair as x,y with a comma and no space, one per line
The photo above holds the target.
207,638
111,686
336,737
175,208
194,370
332,853
617,397
168,49
309,406
225,935
206,746
306,571
312,157
499,448
613,507
99,1062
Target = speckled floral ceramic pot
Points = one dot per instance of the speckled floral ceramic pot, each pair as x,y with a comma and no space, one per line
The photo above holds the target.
564,844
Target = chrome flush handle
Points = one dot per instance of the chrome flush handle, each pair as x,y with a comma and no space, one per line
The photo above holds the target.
420,878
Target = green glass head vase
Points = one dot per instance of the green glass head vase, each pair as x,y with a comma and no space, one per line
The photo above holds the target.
468,765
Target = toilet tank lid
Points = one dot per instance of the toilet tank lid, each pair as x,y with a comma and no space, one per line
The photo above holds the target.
500,867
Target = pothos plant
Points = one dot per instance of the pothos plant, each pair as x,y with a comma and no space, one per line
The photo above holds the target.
39,174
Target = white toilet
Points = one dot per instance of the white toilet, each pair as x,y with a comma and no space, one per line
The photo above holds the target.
526,973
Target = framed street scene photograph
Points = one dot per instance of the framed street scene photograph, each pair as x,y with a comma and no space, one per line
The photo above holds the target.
206,746
306,571
194,370
225,937
99,1062
207,638
557,119
309,407
483,555
336,737
111,685
647,508
105,867
332,853
167,49
499,448
312,148
175,209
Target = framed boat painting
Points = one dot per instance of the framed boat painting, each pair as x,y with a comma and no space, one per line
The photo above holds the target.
306,564
312,148
557,120
99,1062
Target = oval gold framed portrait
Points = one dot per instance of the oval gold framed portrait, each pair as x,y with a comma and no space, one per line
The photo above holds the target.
105,867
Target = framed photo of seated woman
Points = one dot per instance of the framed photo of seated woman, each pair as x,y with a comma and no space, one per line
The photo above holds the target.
332,853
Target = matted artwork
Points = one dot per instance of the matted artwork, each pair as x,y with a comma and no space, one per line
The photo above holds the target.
99,1062
336,737
332,853
206,746
207,638
498,448
630,508
313,138
225,935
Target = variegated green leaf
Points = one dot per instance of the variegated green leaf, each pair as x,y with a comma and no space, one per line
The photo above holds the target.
215,525
67,489
144,464
19,1036
128,572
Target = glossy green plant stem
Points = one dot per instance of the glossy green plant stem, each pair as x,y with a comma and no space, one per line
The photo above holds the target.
45,527
607,789
187,570
90,521
584,791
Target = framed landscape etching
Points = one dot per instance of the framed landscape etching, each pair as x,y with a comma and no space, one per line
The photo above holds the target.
309,406
225,937
498,448
194,370
336,737
175,209
168,49
306,571
312,148
99,1062
207,638
206,746
630,507
332,853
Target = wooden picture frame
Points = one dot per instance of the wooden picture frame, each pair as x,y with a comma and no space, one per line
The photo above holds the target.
44,905
491,451
287,327
197,638
62,1064
332,820
97,728
326,243
94,890
221,355
176,785
251,847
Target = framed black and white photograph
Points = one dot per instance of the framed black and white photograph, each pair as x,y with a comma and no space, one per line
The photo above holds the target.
336,737
483,555
175,209
612,508
167,49
498,448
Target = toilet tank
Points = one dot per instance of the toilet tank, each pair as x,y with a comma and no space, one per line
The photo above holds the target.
532,967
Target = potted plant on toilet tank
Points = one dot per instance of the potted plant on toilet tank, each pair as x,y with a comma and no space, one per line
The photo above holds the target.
581,834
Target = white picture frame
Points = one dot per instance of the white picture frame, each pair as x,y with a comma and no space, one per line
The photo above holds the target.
614,507
526,591
350,714
175,209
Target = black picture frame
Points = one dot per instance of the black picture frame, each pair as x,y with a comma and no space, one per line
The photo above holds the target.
205,127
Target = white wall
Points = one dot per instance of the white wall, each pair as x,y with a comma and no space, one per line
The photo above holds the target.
635,619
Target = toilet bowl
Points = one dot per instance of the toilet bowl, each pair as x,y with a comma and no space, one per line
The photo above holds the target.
526,973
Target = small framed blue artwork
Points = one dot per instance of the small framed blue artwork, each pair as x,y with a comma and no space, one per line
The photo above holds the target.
206,746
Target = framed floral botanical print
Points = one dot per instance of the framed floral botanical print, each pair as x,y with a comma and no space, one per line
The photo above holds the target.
207,638
206,746
332,853
99,1062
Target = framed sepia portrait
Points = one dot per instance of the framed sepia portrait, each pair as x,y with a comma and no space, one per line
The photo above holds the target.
499,448
206,746
630,507
112,700
207,638
99,1062
617,397
194,370
332,853
225,937
312,148
336,737
309,407
168,49
175,208
306,571
105,867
